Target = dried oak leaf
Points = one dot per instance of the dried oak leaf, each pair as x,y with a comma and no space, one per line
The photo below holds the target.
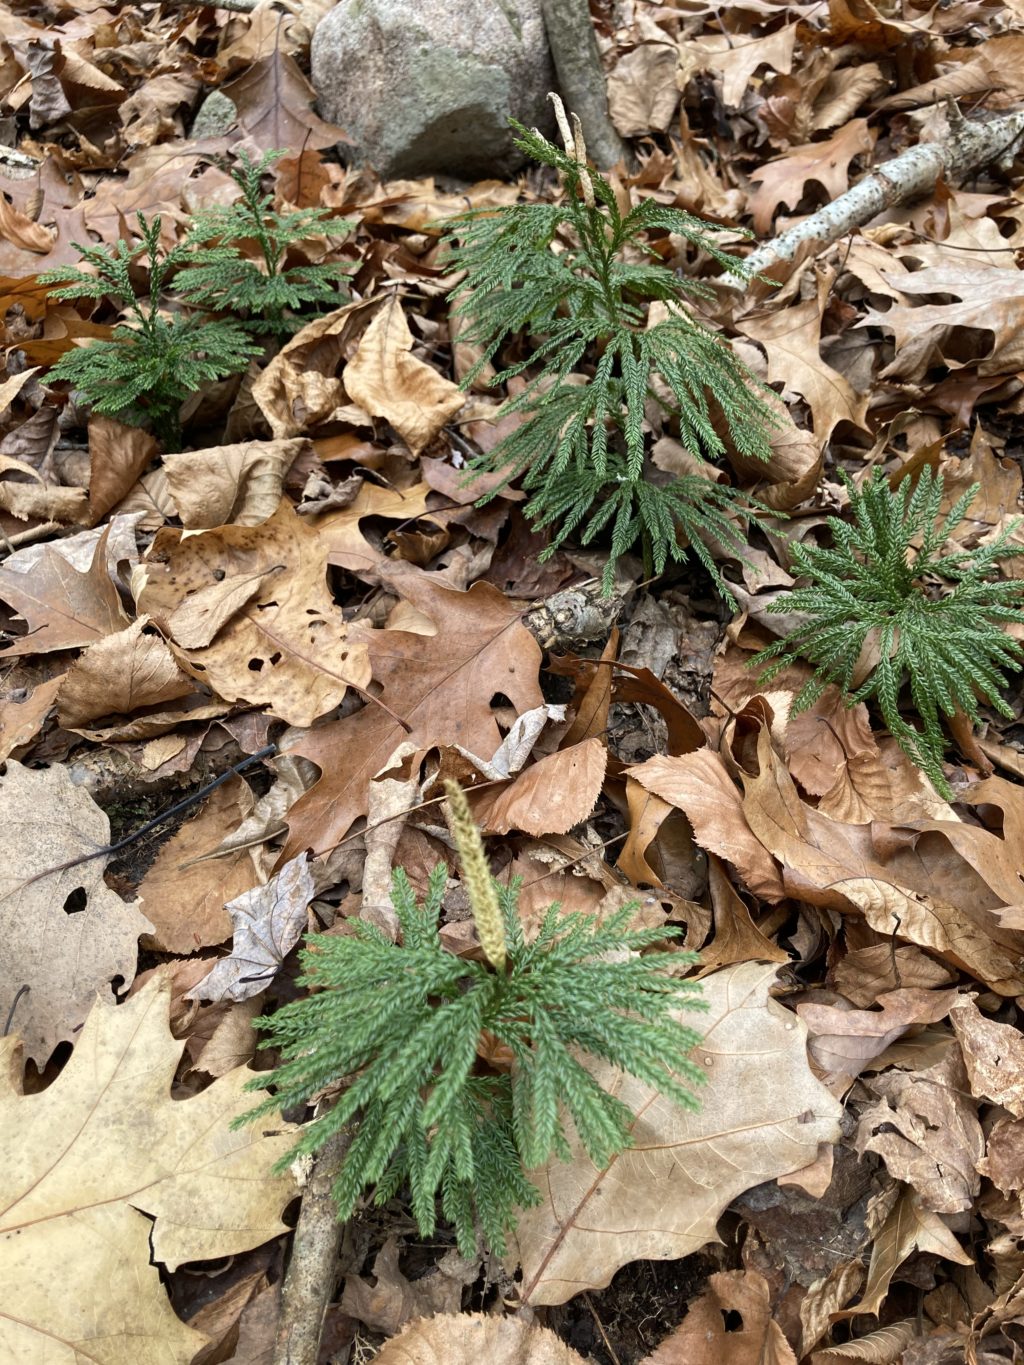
784,180
762,1115
66,935
441,685
275,106
63,607
387,380
468,1338
184,893
102,1171
288,647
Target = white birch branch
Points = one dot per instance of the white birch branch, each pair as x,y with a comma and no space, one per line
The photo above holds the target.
969,145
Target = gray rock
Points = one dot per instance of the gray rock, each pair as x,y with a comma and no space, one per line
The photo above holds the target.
427,87
215,116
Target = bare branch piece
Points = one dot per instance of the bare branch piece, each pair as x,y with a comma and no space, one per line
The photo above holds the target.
969,145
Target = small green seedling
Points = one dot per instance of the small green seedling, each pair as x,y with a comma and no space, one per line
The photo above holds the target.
155,358
581,279
459,1077
267,292
933,621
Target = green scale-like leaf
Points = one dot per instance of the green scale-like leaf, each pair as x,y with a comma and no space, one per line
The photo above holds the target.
402,1024
936,621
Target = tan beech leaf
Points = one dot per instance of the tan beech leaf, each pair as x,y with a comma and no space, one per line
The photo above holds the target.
63,607
762,1114
993,1055
183,893
867,974
550,796
120,674
118,456
240,484
44,502
700,786
66,935
195,623
385,379
843,1042
703,1338
300,387
288,648
469,1338
441,685
105,1172
268,922
925,1128
909,1227
884,1345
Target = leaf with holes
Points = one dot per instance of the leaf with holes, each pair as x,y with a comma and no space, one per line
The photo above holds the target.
67,937
286,646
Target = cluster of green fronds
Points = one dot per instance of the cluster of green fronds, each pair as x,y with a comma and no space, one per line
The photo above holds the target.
565,275
403,1026
155,359
935,621
268,292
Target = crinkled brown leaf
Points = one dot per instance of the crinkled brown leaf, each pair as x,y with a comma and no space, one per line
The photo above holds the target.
120,674
240,484
468,1338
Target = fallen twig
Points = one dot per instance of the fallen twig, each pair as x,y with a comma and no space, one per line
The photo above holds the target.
970,145
309,1281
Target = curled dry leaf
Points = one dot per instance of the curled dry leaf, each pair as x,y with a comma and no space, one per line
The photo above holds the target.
394,1300
288,647
925,1128
268,922
844,1042
385,379
700,786
104,1172
240,484
67,937
993,1054
120,674
909,1227
300,388
762,1115
118,455
468,1338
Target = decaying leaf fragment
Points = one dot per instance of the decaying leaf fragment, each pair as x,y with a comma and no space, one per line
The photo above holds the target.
102,1170
468,1338
762,1115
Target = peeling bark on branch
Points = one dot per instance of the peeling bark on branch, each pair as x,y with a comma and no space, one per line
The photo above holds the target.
573,46
969,146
